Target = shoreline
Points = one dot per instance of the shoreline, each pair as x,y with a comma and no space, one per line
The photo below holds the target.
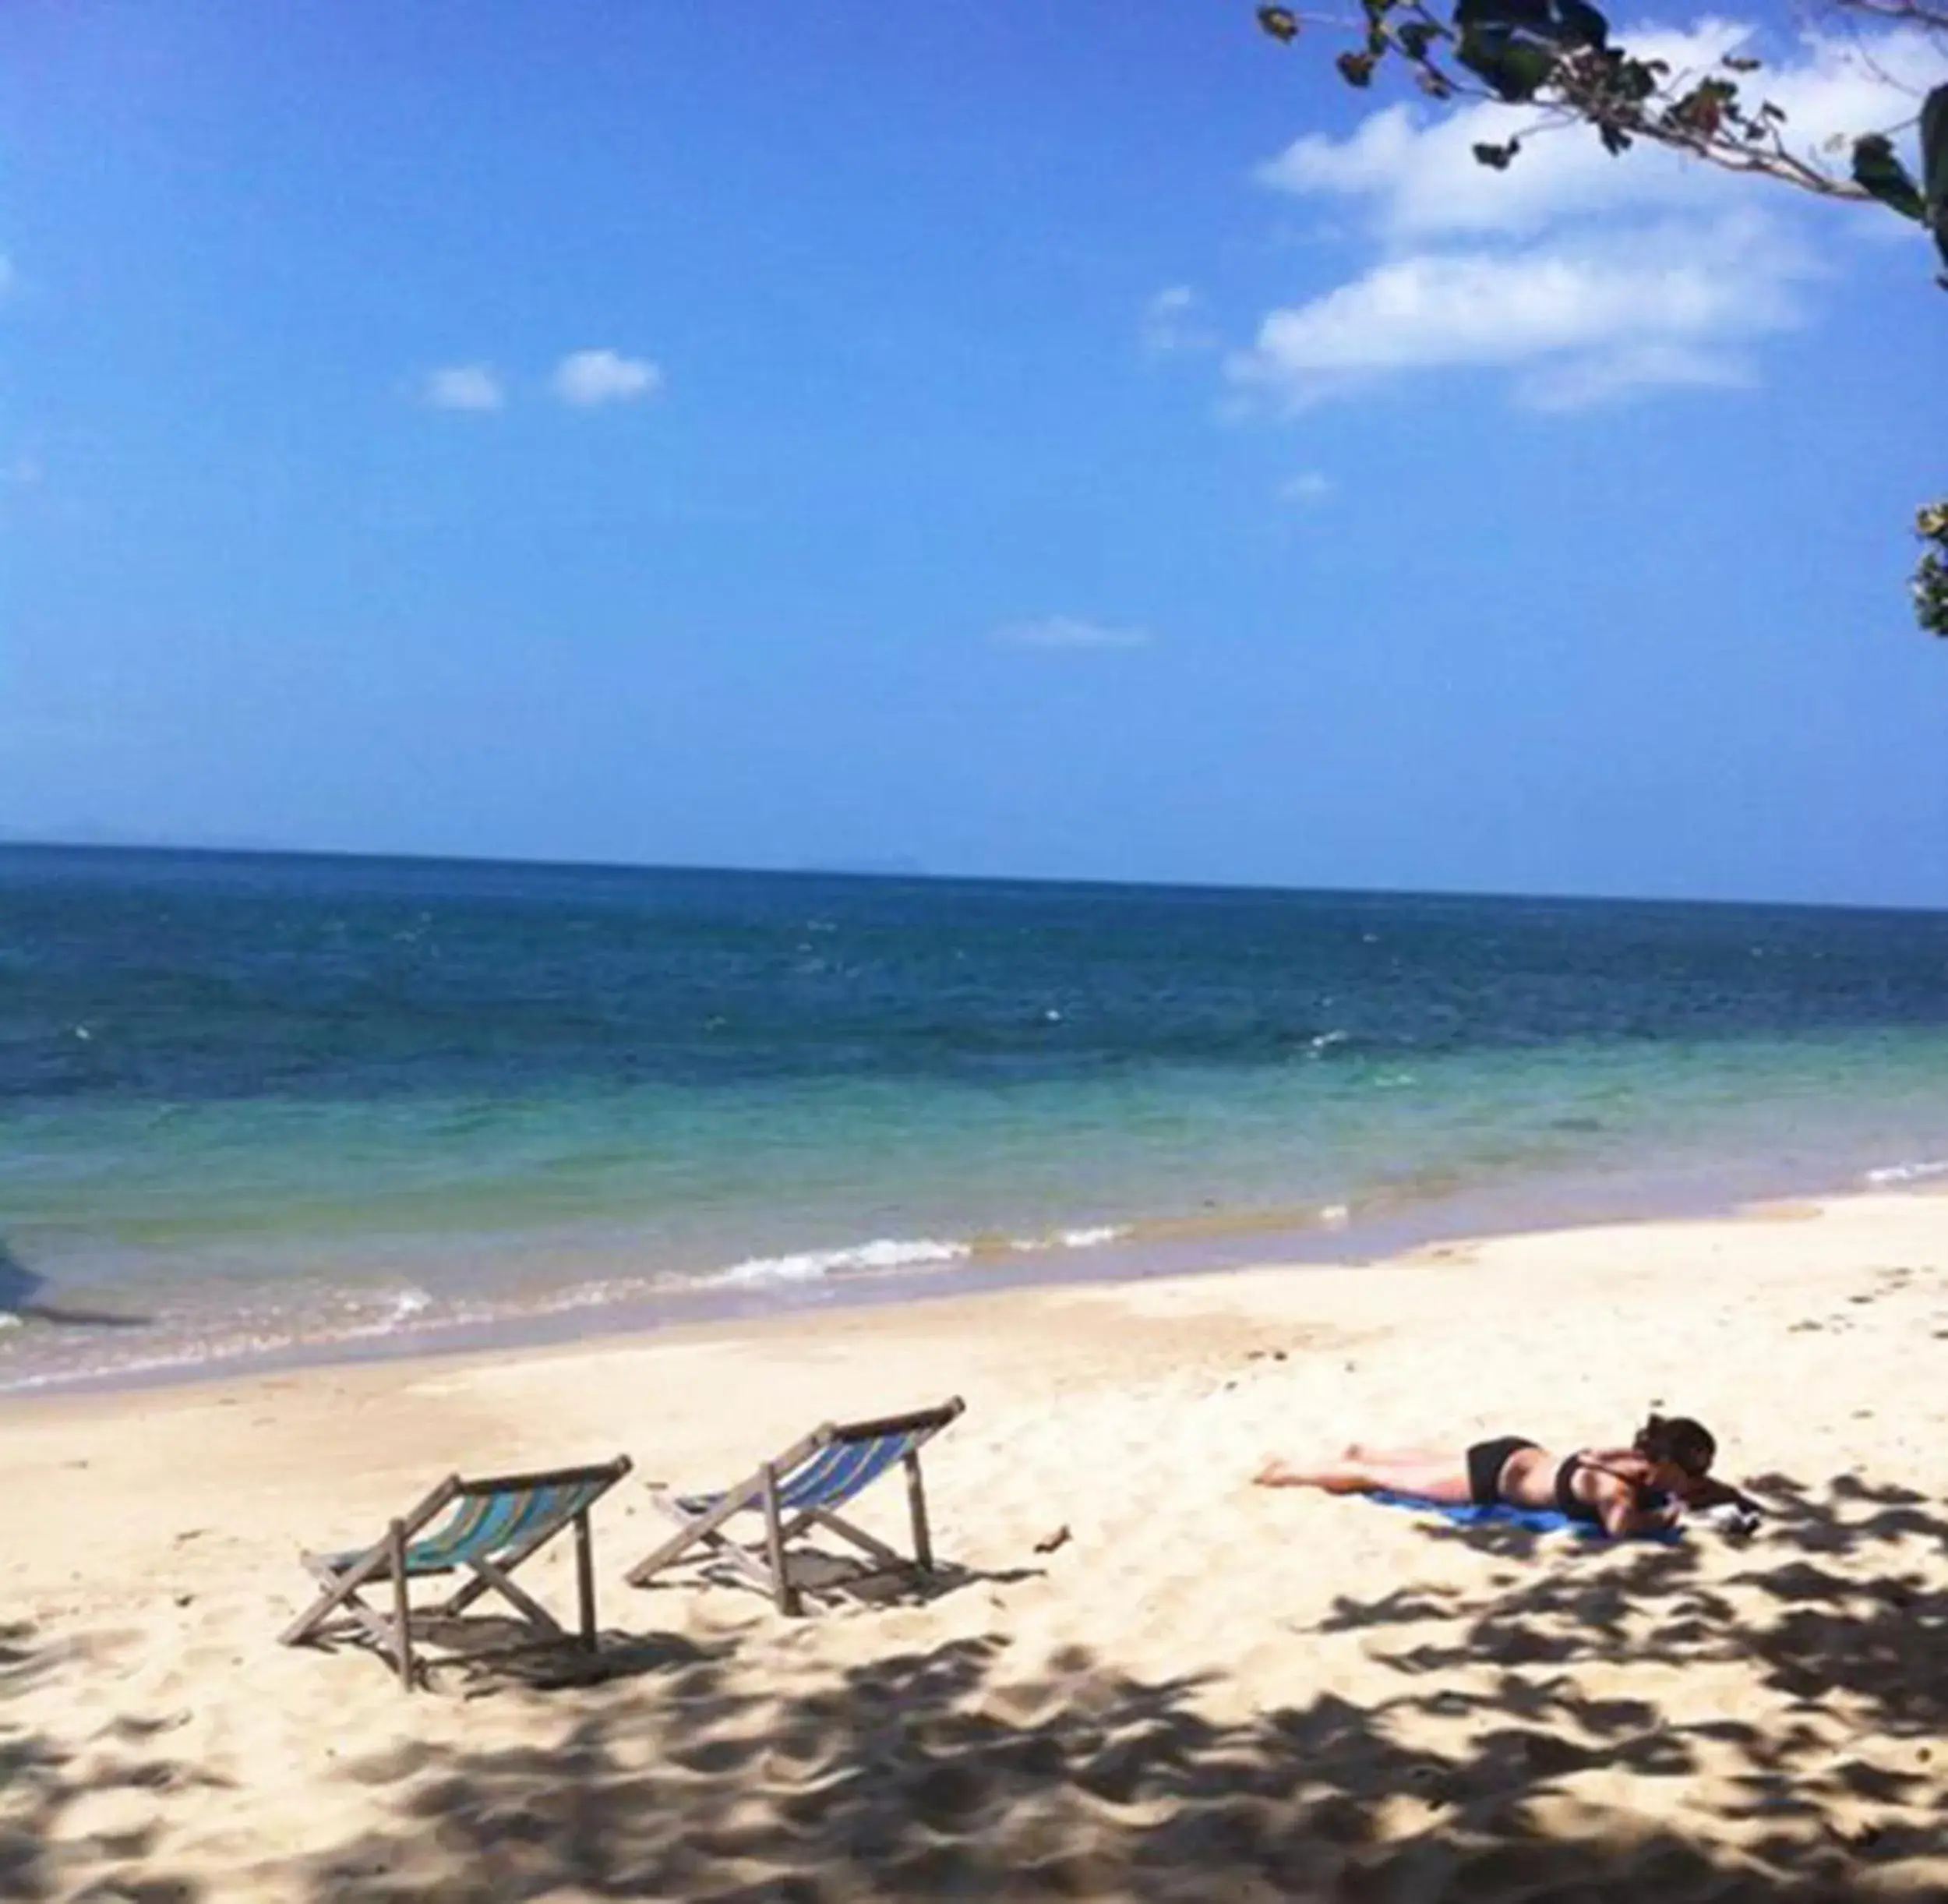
1219,1244
935,1301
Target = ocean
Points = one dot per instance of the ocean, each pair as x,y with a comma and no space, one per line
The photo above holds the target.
261,1107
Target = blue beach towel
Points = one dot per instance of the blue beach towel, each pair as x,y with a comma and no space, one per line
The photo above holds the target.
1536,1520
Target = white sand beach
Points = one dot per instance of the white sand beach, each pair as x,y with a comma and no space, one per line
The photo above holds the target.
1203,1690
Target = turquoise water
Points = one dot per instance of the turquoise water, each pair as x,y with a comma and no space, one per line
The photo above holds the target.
266,1104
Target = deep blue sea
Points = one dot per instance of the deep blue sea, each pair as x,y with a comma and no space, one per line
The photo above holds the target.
283,1106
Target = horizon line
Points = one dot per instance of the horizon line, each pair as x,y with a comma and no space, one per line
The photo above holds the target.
918,872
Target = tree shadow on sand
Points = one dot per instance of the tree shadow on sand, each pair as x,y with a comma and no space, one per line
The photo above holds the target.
827,1576
1833,1630
1483,1769
483,1651
950,1772
43,1783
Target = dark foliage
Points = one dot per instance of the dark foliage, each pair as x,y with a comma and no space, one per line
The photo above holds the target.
1931,573
1559,56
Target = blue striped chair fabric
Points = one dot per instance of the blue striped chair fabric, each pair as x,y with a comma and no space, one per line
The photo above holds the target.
830,1476
482,1525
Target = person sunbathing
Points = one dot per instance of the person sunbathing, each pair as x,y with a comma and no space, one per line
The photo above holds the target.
1640,1490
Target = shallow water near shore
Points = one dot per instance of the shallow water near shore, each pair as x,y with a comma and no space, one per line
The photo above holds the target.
284,1107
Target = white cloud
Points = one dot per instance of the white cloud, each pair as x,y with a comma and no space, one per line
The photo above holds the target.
1070,632
586,378
1585,277
1594,314
1177,320
1309,486
464,387
1582,382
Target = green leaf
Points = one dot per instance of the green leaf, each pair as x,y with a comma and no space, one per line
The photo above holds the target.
1525,68
1496,157
1704,107
1638,80
1514,69
1500,15
1280,21
1934,163
1356,68
1877,171
1582,25
1568,23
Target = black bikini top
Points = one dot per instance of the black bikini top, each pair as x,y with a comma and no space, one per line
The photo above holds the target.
1647,1500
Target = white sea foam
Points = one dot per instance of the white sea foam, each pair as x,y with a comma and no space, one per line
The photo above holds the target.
885,1252
163,1361
398,1313
1891,1174
587,1296
1091,1237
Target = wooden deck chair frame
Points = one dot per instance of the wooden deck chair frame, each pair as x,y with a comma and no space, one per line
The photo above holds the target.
340,1611
700,1520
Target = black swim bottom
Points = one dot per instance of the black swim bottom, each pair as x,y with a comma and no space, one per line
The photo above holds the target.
1486,1460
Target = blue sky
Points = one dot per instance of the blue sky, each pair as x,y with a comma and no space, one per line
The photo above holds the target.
1070,441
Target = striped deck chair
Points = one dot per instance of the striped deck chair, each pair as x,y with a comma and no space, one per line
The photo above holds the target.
495,1524
803,1488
